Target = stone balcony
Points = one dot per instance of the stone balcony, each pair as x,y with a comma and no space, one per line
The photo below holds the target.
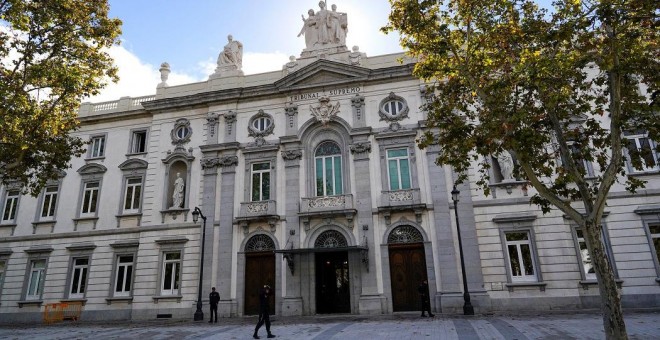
327,206
257,211
400,200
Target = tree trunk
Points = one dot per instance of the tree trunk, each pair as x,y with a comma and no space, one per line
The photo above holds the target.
613,323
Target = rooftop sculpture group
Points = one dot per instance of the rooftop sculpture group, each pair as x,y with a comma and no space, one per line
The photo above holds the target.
324,28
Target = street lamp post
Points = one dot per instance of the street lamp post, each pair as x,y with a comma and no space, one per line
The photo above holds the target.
467,306
199,315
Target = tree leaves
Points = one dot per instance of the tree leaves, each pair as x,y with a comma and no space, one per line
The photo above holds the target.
52,55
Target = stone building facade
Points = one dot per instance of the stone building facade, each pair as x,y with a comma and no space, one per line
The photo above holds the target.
311,182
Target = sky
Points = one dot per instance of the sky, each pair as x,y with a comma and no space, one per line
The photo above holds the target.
190,34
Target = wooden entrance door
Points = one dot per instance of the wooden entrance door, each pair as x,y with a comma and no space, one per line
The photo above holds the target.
259,270
407,271
333,293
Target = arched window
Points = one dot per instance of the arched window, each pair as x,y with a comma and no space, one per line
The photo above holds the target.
330,239
405,234
328,169
259,242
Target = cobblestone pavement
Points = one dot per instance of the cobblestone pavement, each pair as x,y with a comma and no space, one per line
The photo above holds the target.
394,327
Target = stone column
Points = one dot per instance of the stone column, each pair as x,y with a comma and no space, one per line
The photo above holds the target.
370,301
209,180
227,306
292,303
450,285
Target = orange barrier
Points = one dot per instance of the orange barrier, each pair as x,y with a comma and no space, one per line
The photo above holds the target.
72,310
55,312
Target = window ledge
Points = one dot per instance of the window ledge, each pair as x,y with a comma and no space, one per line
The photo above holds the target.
83,301
30,303
137,214
95,158
644,173
7,224
540,285
125,299
81,219
44,222
167,297
586,283
136,154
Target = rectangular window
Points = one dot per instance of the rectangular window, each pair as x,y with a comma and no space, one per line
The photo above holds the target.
587,265
521,259
79,277
90,198
133,195
654,230
328,176
139,141
124,275
398,168
97,147
49,202
36,280
3,264
171,273
582,164
260,182
11,206
641,152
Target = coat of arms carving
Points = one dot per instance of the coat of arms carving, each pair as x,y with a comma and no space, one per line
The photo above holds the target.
325,111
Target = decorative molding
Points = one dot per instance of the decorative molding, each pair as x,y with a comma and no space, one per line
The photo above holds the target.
289,155
253,132
401,195
212,119
360,147
291,111
230,119
325,112
180,141
257,207
357,102
327,202
92,169
227,161
209,162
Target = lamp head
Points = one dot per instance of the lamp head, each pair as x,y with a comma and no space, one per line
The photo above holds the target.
195,215
454,194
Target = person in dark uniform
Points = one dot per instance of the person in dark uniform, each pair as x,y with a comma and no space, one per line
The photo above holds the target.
214,298
423,291
264,315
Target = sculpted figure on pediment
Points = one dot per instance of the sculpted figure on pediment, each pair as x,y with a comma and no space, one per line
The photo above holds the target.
324,28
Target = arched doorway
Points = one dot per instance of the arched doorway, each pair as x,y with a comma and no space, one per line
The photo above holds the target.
259,270
332,277
407,267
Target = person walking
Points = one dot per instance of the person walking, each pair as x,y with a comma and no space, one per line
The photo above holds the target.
214,298
264,313
423,291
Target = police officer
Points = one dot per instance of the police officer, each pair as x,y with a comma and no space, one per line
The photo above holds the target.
264,315
423,291
214,298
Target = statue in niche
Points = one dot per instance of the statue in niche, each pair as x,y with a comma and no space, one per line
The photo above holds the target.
177,195
309,29
505,161
232,54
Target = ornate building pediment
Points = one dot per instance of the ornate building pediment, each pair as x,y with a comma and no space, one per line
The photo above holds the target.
322,72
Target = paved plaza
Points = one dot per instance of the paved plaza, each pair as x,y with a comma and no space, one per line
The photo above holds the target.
390,327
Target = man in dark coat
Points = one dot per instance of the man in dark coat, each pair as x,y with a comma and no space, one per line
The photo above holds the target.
264,315
214,298
423,291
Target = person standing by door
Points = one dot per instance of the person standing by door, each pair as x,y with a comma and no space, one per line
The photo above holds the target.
423,291
214,298
264,312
